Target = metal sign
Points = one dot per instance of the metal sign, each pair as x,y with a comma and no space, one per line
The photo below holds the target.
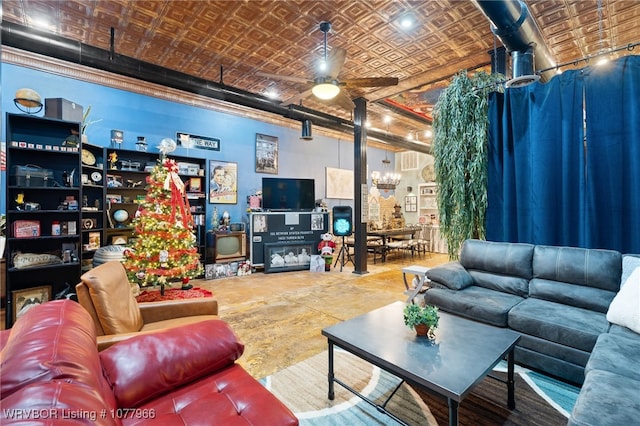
194,141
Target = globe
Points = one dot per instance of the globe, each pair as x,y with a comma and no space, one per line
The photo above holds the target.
28,100
120,216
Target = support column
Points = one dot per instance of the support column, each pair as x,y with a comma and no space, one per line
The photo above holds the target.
361,191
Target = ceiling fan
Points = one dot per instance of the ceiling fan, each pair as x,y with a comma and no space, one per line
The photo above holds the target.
326,86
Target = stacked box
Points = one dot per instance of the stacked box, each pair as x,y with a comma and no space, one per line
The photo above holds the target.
31,175
26,228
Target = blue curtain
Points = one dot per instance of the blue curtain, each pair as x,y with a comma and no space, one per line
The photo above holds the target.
612,100
549,182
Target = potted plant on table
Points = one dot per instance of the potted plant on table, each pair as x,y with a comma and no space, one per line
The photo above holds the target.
423,319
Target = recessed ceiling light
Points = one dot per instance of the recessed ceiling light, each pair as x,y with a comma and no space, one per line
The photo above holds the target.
387,119
41,23
406,22
271,93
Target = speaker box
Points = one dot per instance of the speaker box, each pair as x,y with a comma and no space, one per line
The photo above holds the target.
342,223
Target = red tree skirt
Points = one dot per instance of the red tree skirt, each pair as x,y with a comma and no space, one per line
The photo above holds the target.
172,294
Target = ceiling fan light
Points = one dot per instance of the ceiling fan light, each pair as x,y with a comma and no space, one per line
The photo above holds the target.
325,91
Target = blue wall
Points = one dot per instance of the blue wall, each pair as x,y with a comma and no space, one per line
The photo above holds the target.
139,115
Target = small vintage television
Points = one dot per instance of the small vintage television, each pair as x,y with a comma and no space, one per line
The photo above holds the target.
226,246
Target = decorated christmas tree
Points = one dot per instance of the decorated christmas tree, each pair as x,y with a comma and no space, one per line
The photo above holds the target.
163,245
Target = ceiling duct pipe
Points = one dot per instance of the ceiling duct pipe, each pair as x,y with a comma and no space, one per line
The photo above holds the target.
512,23
307,133
54,46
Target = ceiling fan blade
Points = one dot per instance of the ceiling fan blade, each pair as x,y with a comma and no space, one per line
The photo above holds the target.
297,98
335,61
285,78
371,82
344,100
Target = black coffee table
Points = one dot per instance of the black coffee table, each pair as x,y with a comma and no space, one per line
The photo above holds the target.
451,364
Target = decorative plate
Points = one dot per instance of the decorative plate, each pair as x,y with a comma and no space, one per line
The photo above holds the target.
88,158
96,177
428,173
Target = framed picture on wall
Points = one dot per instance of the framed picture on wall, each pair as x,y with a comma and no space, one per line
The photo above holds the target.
25,299
266,154
223,188
411,203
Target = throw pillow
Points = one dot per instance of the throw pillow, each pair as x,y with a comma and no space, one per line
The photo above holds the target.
451,275
625,307
629,263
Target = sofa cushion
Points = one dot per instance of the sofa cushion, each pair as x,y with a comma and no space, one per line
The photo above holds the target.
504,283
231,397
56,402
616,354
476,303
110,293
587,267
557,367
451,275
500,258
594,299
556,351
618,330
148,365
574,327
37,351
606,399
625,307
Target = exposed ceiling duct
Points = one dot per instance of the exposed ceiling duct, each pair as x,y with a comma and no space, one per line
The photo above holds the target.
512,23
54,46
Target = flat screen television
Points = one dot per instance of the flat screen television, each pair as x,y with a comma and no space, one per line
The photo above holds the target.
288,194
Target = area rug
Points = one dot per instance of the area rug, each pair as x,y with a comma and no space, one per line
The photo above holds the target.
540,400
172,294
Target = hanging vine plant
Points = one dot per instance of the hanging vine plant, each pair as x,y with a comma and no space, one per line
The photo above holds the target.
460,150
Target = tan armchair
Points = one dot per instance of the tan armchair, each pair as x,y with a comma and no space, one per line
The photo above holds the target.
106,294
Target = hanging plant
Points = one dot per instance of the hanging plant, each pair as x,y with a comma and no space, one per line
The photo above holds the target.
460,150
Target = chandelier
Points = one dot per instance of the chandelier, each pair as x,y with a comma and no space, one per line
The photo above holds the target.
386,180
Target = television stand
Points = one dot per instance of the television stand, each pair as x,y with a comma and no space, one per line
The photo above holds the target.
268,230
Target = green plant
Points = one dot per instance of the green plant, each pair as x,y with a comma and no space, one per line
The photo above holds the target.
414,315
460,150
85,120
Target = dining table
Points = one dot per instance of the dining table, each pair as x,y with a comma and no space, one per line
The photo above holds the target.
384,234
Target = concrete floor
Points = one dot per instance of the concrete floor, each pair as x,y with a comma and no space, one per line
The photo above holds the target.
279,316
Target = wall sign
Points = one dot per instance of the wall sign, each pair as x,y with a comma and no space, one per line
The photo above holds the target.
202,142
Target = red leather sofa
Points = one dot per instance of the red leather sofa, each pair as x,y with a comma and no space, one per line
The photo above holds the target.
52,373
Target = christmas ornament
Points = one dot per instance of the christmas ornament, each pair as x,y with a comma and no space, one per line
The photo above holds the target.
167,145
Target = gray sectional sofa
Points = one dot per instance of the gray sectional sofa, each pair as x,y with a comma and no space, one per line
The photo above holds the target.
557,298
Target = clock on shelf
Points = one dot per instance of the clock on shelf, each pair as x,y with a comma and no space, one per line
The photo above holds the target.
88,158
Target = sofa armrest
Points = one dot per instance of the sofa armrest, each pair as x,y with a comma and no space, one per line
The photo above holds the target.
451,275
169,309
148,365
109,340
